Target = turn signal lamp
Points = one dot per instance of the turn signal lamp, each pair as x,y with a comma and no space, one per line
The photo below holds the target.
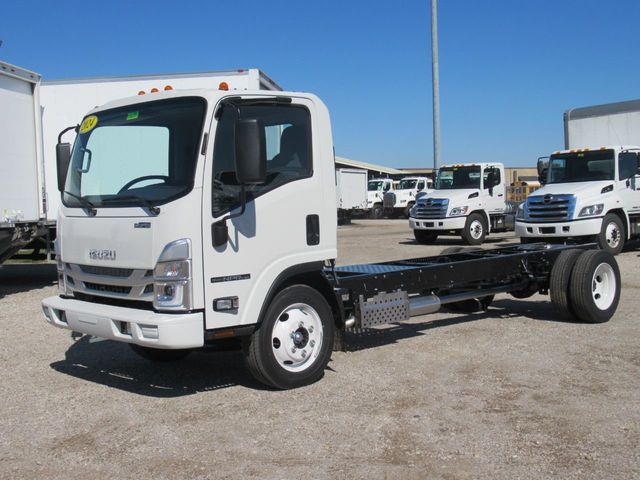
223,86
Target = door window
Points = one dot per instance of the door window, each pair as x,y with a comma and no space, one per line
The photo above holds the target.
627,165
288,148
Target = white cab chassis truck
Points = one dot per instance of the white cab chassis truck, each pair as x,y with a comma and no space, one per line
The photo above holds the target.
376,189
399,201
589,195
186,219
468,200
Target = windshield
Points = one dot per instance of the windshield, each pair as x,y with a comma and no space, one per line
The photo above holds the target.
407,184
581,167
141,154
375,186
451,178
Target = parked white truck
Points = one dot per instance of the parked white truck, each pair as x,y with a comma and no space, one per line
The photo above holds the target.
22,200
469,200
181,226
376,189
351,193
399,201
592,189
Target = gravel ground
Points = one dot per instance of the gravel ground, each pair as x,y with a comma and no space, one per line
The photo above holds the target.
510,393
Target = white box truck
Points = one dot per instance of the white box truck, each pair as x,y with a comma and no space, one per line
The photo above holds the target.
469,200
181,227
22,206
592,188
351,192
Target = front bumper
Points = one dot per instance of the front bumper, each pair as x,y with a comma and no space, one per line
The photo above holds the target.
130,325
576,228
452,223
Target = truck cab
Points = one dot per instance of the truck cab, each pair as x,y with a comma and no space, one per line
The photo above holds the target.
468,200
376,189
588,194
400,201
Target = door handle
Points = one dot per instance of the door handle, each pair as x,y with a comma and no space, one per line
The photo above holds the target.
500,195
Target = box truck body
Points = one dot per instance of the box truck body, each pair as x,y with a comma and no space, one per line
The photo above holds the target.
21,205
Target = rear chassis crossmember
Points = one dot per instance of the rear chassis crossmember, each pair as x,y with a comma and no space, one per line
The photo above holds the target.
375,294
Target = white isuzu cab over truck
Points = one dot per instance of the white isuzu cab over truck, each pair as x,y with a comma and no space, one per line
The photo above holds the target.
469,200
399,201
376,189
182,225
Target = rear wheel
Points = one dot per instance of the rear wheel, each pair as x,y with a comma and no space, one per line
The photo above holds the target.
612,235
560,279
159,354
292,345
475,229
594,287
425,237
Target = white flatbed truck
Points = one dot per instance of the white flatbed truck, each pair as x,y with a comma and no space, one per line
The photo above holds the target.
469,200
180,227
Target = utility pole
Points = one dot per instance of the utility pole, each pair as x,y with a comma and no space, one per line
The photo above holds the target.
435,75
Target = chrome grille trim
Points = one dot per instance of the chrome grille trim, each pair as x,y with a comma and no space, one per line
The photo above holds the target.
549,208
431,208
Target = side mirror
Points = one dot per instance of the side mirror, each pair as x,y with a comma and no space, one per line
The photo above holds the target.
63,158
251,156
543,167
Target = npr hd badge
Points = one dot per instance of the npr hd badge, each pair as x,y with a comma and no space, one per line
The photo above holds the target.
96,254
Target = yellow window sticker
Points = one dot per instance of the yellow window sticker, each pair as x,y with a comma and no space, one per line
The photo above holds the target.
88,124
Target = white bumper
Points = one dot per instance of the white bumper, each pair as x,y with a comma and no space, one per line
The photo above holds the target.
130,325
454,223
577,228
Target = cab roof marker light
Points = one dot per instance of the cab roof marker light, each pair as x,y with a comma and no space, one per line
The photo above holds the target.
223,86
141,92
154,90
167,88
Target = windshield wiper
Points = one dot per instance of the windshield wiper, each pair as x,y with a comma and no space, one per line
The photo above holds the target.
91,208
143,201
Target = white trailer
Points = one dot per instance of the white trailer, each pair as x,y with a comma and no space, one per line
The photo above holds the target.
592,188
21,175
351,192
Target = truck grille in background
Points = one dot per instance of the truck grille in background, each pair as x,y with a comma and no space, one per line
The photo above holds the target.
550,208
431,208
389,200
131,284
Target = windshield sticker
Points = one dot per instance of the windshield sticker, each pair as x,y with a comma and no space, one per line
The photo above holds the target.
89,124
133,115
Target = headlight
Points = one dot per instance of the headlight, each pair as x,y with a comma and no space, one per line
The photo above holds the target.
458,211
172,277
592,210
520,212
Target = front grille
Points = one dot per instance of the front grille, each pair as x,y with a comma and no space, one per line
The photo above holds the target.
106,271
431,208
101,287
550,208
389,200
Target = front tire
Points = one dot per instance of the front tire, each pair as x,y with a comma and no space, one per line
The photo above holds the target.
425,237
292,345
475,229
377,211
612,234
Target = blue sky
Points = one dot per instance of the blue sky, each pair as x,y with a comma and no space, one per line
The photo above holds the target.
508,68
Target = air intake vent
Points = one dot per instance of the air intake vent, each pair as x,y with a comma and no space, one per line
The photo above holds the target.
106,271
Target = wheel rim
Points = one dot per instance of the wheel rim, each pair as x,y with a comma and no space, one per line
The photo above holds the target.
475,229
296,338
603,286
612,235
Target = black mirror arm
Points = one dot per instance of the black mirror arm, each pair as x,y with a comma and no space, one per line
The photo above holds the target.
75,127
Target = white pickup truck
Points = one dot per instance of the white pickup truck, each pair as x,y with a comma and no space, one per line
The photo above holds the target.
469,200
375,195
400,201
588,195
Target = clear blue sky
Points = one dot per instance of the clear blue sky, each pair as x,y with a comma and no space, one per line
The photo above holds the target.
508,68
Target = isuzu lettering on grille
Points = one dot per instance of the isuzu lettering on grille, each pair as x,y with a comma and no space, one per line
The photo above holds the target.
97,254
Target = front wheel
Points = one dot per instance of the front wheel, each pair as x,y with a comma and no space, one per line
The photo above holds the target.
292,346
612,235
475,229
377,211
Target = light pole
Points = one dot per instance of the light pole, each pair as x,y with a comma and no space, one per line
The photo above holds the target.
435,74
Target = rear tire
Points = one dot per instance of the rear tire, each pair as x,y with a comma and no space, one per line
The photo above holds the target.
612,234
595,286
475,229
160,355
425,237
292,345
560,280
